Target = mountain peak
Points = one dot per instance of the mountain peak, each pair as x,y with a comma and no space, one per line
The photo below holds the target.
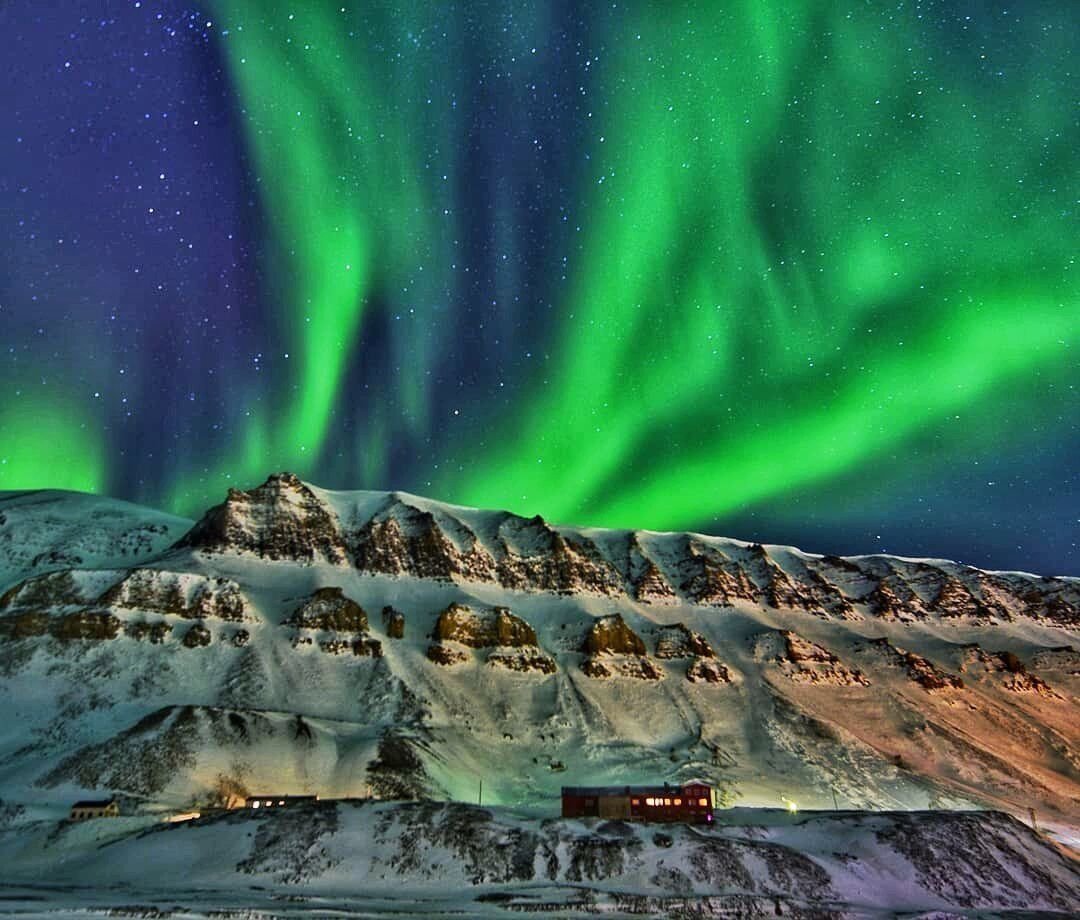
281,519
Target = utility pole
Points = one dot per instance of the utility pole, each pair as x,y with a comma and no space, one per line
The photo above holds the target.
835,806
480,797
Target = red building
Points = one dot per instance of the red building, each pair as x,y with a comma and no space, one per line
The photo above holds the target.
691,803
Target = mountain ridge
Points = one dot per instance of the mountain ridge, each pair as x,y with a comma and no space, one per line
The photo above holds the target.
303,640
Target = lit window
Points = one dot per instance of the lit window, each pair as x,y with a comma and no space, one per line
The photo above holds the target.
667,801
703,802
637,801
281,803
254,804
678,801
648,801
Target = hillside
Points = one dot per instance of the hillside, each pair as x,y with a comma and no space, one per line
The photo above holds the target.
300,640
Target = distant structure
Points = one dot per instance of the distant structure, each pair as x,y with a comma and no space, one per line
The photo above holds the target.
691,803
99,808
277,801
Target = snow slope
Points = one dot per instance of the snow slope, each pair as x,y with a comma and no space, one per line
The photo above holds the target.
435,859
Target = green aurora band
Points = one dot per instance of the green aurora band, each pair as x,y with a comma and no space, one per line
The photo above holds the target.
351,217
810,248
717,355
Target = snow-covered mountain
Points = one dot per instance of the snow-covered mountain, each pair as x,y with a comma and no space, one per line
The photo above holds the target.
301,640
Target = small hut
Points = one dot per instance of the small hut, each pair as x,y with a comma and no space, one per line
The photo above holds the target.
95,808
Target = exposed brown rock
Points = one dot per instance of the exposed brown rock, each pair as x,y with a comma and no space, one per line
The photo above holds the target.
678,641
633,666
281,519
25,624
611,635
893,599
1007,666
194,597
367,648
197,636
921,670
393,622
85,625
536,557
524,659
446,654
714,579
807,662
140,631
647,583
462,624
56,589
329,609
708,670
651,587
955,600
401,539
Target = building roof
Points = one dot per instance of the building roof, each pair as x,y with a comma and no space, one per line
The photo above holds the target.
665,789
94,803
287,798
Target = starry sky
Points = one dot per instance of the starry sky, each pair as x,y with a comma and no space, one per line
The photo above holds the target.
794,272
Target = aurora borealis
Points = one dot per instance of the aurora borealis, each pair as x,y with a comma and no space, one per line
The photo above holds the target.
794,272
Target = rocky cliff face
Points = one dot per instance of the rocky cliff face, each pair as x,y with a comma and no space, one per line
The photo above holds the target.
513,641
406,537
614,649
182,594
807,662
281,519
462,624
329,609
922,671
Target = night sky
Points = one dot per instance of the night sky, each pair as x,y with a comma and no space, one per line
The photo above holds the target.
796,272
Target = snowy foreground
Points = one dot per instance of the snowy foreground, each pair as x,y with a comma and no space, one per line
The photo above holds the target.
436,859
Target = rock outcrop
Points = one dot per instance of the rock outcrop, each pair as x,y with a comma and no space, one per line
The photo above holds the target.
611,635
919,669
393,622
193,597
678,641
459,623
401,539
709,671
512,641
197,636
615,650
647,583
807,662
330,610
711,578
406,536
1007,668
281,519
635,666
522,660
444,654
